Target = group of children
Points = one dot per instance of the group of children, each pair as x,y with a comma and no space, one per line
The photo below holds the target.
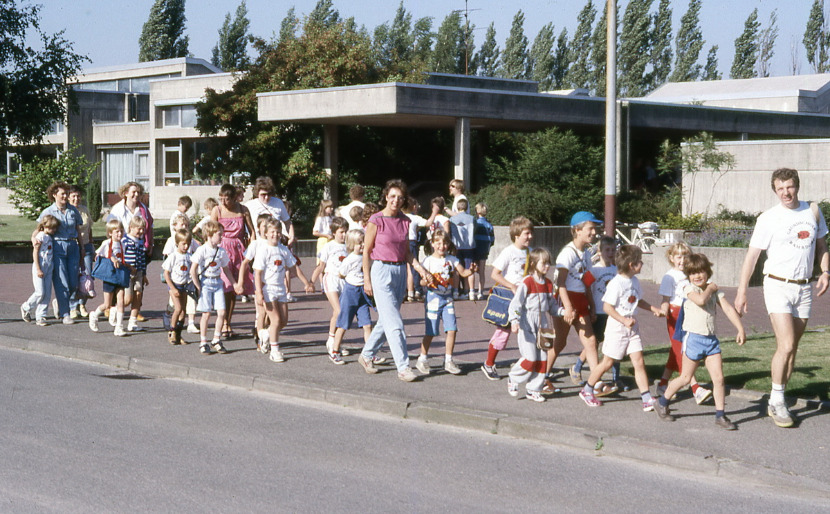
594,291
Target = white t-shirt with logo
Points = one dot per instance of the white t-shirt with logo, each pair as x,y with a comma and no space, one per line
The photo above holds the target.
624,294
210,260
178,264
44,254
512,262
789,238
577,262
672,286
333,253
351,269
273,262
441,268
603,275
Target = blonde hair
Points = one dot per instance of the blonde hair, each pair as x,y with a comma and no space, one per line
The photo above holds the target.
518,225
324,204
178,215
458,184
210,203
113,225
182,235
138,221
481,207
48,222
272,223
210,228
353,239
678,248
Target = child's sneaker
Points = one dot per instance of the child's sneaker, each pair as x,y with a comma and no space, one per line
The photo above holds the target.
27,317
345,353
535,396
724,423
67,320
74,314
82,311
451,367
192,328
171,337
648,406
290,299
264,346
702,394
589,399
93,321
472,296
512,388
218,347
132,326
576,376
663,412
276,355
41,322
111,312
490,372
423,366
204,348
336,358
119,331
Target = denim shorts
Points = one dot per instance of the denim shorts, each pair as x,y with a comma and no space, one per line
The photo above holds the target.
353,302
212,297
697,347
439,307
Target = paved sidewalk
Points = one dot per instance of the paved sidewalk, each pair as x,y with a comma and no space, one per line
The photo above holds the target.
758,452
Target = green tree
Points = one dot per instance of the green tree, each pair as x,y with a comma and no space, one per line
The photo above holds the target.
599,51
688,44
561,61
231,52
661,52
746,49
422,31
514,59
816,38
289,26
487,58
766,44
579,70
635,48
710,71
448,55
35,68
162,36
324,14
395,49
541,57
28,193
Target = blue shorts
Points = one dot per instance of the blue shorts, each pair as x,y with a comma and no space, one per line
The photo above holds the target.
212,297
481,251
353,302
109,287
466,257
437,308
697,347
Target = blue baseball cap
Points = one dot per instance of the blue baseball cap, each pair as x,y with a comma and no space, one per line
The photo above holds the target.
583,216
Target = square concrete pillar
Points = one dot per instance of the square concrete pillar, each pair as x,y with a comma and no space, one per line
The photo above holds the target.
462,150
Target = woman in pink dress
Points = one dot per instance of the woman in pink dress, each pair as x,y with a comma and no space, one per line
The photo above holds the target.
238,227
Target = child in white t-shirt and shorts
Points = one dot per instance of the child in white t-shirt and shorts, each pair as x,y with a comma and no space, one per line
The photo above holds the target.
209,260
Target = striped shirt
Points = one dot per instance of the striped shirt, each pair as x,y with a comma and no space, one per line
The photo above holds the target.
134,253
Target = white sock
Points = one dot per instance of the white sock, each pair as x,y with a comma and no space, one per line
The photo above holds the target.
777,394
119,318
447,358
422,357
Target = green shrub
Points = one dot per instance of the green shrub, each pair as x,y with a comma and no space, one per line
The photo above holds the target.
679,222
640,206
506,201
93,197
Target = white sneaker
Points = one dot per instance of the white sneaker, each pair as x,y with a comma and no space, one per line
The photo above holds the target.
451,367
192,328
93,321
113,312
290,299
67,320
27,317
132,326
119,331
472,296
423,366
276,355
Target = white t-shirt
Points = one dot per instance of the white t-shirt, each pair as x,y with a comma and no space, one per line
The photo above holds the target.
455,203
273,261
109,249
672,286
351,269
44,254
789,238
437,223
624,294
344,211
275,207
322,225
441,269
178,264
602,275
415,222
333,253
512,263
253,248
209,261
577,263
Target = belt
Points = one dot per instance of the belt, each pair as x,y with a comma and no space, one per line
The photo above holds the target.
800,281
395,263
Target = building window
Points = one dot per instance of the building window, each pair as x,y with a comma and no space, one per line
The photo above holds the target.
122,165
56,128
179,116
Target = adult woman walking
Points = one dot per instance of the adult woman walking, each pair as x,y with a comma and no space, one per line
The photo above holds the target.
385,255
235,219
77,303
265,201
129,207
67,249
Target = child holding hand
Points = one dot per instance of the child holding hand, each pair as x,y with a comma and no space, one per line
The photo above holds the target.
41,271
353,300
208,262
699,340
329,259
622,297
176,269
111,249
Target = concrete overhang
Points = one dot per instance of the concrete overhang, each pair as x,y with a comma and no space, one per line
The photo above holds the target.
428,106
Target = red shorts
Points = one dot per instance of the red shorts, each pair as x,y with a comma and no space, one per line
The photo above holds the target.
579,302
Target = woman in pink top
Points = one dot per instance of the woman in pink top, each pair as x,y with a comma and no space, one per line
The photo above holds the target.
385,254
236,222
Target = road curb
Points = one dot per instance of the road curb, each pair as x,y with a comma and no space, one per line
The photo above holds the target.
459,417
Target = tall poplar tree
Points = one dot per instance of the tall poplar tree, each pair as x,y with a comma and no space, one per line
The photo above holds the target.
661,52
324,14
289,26
710,71
542,56
486,60
688,44
231,52
816,38
162,36
599,51
561,60
635,48
514,59
448,54
766,44
579,69
746,49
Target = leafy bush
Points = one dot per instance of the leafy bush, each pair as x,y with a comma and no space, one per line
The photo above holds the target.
506,201
640,206
728,238
29,189
93,197
680,222
738,218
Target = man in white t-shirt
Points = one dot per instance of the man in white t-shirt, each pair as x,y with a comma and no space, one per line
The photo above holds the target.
356,195
792,233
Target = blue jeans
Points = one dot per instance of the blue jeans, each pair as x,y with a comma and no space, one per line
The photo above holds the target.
67,260
38,303
389,287
75,298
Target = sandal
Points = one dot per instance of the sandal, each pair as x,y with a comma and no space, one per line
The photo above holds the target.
549,389
576,376
606,390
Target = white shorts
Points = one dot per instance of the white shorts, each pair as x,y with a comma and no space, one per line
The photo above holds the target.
784,298
332,283
274,293
621,341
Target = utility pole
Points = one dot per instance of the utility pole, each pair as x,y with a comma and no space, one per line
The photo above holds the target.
611,122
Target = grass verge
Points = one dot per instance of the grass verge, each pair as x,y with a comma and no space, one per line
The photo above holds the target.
19,228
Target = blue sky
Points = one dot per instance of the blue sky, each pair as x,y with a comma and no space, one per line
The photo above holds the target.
107,31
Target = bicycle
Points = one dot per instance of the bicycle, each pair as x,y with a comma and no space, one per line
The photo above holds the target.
644,235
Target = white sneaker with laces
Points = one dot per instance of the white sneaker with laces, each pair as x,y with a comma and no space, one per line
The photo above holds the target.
276,355
93,321
423,366
113,313
192,329
119,331
132,326
67,320
451,367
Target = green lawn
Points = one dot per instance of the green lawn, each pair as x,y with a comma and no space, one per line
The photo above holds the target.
19,228
748,366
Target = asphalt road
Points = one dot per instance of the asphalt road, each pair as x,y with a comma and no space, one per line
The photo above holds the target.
76,437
